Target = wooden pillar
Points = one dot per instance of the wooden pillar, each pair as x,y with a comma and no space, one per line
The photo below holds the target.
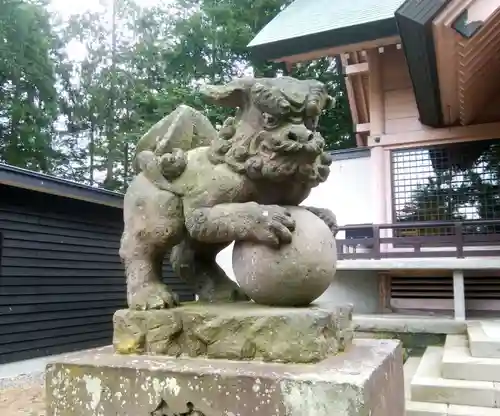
377,128
378,172
459,295
351,96
376,100
379,168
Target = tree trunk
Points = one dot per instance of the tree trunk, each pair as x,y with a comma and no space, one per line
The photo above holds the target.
110,133
92,152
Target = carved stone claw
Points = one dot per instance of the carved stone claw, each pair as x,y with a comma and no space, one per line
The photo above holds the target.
153,296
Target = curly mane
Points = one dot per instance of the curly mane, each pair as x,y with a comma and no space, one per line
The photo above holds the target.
263,154
263,157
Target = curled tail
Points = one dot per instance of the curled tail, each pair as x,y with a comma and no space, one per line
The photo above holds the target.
161,170
183,129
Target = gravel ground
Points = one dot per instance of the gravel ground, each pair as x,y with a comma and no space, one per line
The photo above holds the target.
22,395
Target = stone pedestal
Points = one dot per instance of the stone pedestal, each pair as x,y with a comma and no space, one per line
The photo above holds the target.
240,331
365,380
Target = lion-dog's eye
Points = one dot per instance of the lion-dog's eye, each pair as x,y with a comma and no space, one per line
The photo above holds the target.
270,120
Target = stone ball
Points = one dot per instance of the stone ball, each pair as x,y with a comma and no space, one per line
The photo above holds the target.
295,274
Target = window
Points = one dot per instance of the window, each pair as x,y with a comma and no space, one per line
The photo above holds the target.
455,182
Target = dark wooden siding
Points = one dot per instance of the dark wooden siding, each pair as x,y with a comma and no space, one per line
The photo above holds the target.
61,278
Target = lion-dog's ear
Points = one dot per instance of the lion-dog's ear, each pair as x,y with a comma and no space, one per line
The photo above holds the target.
234,94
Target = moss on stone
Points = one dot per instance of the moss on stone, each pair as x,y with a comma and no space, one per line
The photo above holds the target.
243,331
414,344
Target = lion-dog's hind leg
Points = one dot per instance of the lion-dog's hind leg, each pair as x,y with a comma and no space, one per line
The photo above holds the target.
196,263
153,224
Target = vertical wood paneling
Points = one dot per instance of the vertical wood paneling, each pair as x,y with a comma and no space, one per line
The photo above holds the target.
61,277
377,110
401,113
395,73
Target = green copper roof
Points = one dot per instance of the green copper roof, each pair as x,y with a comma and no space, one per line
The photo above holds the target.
306,18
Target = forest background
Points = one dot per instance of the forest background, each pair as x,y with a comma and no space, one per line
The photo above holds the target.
79,115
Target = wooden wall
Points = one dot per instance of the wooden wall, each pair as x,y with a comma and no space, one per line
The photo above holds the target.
61,278
401,114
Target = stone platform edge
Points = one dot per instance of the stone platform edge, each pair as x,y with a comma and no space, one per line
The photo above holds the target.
366,379
239,331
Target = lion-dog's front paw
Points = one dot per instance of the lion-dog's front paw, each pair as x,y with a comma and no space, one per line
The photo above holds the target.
152,296
273,226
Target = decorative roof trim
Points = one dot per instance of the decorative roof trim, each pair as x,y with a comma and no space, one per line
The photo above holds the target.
325,40
414,19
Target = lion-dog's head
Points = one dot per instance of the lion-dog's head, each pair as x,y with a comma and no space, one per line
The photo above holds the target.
274,133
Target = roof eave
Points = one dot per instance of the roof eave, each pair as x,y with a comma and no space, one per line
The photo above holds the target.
414,19
281,49
26,179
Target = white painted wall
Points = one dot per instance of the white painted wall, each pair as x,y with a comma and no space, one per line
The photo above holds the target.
225,260
347,192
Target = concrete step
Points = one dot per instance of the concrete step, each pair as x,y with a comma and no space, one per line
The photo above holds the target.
413,324
454,410
459,364
439,409
484,339
426,409
409,370
428,386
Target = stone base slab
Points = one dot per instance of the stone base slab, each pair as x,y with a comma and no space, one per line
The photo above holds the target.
459,364
428,385
240,331
365,380
484,339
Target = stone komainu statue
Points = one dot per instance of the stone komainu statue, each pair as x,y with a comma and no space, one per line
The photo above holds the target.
197,190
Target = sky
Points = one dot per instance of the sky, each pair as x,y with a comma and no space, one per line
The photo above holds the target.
76,50
68,7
